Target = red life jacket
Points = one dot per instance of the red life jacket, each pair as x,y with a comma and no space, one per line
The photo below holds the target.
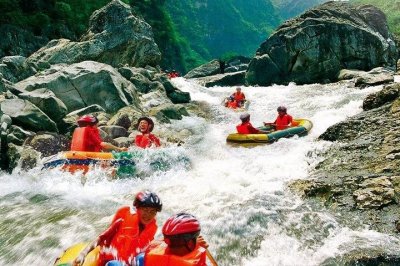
281,122
125,238
239,96
159,255
232,105
246,128
86,139
146,142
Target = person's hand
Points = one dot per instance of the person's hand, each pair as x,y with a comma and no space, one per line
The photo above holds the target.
79,260
123,149
202,242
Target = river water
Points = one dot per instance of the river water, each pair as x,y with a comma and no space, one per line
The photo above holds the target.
239,194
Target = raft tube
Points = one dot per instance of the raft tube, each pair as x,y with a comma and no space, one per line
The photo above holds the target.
73,161
301,128
240,109
71,253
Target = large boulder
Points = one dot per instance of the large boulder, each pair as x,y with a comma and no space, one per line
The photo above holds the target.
388,94
115,37
208,69
315,46
23,113
46,101
373,77
83,84
230,79
126,117
48,143
15,68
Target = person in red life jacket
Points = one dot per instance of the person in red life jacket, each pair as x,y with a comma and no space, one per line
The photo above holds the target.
146,140
283,120
182,245
246,127
129,234
231,103
239,97
86,137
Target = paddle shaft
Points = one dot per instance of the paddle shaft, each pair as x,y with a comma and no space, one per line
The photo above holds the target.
211,258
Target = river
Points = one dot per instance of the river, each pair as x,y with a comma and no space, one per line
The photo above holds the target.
239,194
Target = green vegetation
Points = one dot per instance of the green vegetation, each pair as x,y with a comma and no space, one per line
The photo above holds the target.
391,8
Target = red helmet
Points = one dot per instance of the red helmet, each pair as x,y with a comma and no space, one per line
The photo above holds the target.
87,120
282,109
147,199
181,223
149,120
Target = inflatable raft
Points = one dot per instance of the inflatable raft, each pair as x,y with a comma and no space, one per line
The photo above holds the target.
71,253
301,128
245,106
73,161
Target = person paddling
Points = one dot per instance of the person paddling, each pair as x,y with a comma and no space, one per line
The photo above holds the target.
87,137
246,127
182,244
130,232
146,140
239,97
283,119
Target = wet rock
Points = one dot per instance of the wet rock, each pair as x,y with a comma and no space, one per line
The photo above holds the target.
22,158
208,69
115,37
179,97
311,188
230,79
115,131
83,84
388,94
316,45
46,101
376,76
87,110
126,117
169,111
154,99
48,143
15,68
124,141
17,135
27,115
374,193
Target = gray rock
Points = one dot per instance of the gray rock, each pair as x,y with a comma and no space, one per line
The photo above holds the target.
230,79
115,37
315,46
373,77
374,193
115,131
388,94
22,158
208,69
87,110
124,141
126,117
48,143
15,68
83,84
17,135
27,115
46,101
169,111
179,97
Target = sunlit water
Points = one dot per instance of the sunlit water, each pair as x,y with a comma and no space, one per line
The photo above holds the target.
239,194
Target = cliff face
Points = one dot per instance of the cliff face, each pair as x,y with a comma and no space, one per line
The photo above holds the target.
315,46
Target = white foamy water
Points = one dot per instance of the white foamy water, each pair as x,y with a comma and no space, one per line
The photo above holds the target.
239,194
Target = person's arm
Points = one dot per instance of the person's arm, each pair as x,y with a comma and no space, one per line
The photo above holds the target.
103,239
109,146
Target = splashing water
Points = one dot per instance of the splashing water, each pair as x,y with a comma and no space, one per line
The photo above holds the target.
239,194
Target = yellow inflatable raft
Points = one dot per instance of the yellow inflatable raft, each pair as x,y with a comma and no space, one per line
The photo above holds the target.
71,253
300,127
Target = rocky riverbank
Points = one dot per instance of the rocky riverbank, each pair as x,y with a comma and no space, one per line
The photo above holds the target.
358,178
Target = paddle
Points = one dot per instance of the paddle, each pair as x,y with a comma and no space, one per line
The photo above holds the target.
211,258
